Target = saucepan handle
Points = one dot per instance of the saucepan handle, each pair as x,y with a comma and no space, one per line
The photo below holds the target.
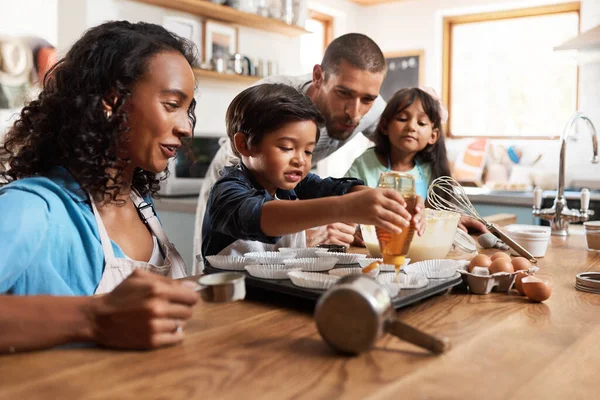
513,245
417,337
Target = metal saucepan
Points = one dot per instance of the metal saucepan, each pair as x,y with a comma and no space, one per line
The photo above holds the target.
357,311
222,287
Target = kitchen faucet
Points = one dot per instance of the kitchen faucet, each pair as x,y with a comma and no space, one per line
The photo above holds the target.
559,214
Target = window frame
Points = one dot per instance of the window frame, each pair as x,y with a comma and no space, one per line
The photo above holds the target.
327,21
448,24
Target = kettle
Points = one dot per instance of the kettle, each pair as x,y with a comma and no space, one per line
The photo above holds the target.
240,64
353,314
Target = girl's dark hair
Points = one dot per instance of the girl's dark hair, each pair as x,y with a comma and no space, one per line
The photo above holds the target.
66,125
434,154
264,108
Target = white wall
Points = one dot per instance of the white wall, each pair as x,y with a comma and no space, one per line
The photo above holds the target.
417,24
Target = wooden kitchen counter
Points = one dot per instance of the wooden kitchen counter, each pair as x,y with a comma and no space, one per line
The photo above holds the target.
503,347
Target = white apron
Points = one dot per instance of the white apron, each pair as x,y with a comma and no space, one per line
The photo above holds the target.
117,269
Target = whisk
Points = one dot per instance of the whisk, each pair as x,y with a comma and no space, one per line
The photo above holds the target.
447,194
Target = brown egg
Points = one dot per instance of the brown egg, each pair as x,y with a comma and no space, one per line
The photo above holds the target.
521,264
501,264
480,260
499,254
518,282
536,289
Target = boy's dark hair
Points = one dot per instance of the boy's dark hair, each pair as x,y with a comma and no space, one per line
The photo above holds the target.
262,109
356,49
434,154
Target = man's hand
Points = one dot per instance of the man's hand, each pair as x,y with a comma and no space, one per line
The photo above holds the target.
337,233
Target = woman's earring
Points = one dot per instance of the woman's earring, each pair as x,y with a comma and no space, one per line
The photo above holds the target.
108,114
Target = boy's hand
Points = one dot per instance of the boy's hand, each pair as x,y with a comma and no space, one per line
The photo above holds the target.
384,208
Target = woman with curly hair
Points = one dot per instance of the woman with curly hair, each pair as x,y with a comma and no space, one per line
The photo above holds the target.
76,216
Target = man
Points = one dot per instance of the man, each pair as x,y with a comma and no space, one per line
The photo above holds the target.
345,88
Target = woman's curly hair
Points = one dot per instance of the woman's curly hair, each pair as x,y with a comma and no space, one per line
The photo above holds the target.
66,125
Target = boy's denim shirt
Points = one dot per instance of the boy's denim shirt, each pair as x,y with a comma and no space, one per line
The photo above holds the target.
235,205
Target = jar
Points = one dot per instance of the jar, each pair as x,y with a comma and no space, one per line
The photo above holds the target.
533,238
592,235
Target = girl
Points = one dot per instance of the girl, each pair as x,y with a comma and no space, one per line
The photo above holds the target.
409,138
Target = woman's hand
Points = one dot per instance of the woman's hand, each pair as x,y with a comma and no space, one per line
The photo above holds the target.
145,311
467,223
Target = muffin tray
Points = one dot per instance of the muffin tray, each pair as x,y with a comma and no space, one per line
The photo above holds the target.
287,288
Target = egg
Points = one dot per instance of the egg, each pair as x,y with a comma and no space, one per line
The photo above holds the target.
521,264
499,254
480,260
518,283
501,264
536,289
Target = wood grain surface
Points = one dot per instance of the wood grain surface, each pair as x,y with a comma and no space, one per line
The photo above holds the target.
503,347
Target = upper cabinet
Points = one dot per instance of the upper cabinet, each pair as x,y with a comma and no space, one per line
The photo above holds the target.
219,12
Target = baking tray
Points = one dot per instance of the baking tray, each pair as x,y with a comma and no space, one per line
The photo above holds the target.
287,288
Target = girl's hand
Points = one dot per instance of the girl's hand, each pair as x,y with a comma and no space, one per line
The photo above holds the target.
467,223
384,208
417,219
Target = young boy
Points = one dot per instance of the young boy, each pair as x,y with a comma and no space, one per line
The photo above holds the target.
273,128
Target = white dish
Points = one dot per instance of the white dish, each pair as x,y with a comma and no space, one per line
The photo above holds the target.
343,258
269,257
410,281
532,238
312,280
434,269
316,264
231,263
270,271
300,252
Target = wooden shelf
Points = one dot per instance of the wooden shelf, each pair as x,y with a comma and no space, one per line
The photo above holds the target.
228,14
207,74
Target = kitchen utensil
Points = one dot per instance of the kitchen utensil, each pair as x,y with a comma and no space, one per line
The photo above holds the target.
588,282
222,287
357,311
240,64
218,64
447,194
437,240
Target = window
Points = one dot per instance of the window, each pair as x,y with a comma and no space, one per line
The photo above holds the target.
313,46
502,77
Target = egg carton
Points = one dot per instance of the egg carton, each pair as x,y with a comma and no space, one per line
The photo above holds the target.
480,281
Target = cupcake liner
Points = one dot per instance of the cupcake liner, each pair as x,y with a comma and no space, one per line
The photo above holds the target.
316,264
268,257
343,258
406,281
270,271
434,269
392,267
231,263
312,280
345,271
392,288
300,252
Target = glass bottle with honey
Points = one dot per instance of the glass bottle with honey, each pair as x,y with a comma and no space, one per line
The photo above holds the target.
394,246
